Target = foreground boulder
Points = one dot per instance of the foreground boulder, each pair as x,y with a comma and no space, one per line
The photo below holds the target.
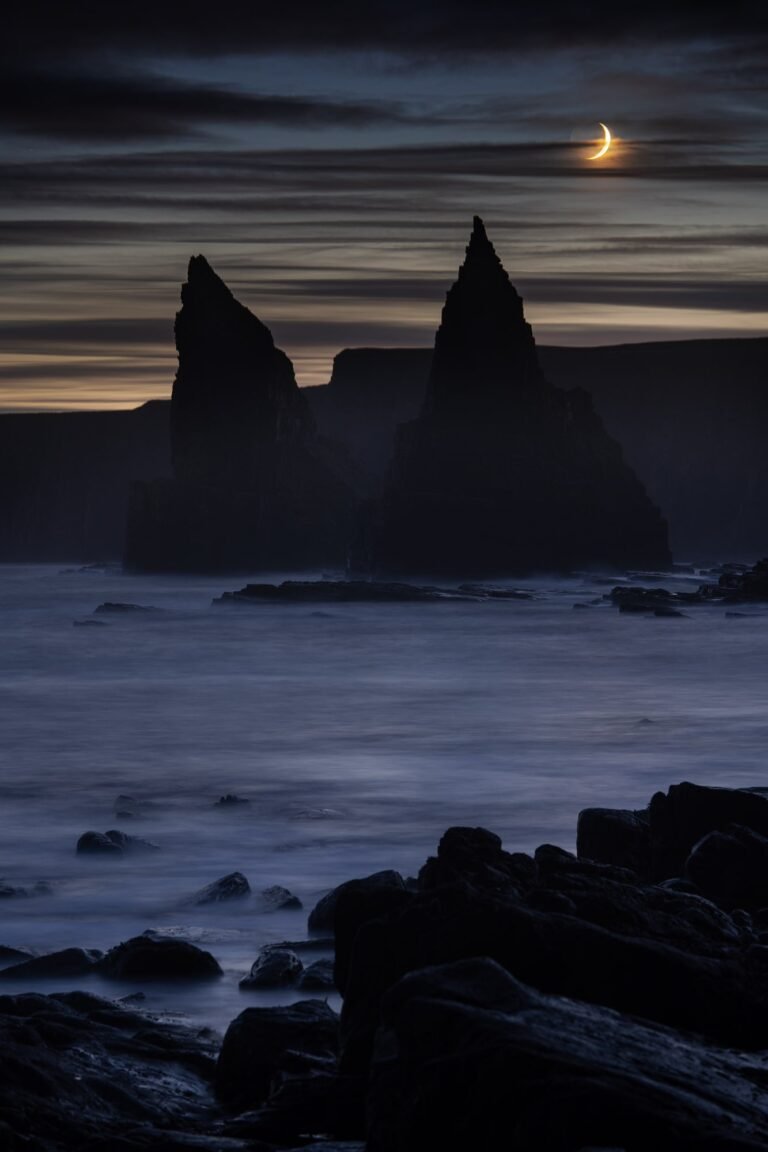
55,965
593,931
466,1052
261,1042
150,957
79,1072
323,916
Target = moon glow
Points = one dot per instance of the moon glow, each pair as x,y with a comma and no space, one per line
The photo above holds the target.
606,143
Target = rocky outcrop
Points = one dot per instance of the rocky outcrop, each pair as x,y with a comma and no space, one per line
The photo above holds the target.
617,998
362,591
254,484
502,473
736,584
465,1052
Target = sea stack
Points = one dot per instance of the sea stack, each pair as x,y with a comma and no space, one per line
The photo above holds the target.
254,487
501,472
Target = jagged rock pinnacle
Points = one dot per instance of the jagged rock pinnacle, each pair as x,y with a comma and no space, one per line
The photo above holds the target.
484,347
501,472
235,393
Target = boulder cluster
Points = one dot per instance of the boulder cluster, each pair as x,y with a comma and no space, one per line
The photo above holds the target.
615,998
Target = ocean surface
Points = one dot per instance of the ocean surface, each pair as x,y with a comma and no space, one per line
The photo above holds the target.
358,733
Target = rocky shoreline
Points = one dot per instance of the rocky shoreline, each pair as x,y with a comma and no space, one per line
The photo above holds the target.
615,998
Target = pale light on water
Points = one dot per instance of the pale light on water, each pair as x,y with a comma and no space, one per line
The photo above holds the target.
358,732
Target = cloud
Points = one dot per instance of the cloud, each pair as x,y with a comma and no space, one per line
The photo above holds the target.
72,106
50,28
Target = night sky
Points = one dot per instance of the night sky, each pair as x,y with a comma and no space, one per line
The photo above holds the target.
328,158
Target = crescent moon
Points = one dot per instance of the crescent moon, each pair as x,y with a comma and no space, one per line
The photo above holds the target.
606,143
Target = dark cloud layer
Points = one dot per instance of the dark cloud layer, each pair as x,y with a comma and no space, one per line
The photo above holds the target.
48,27
80,107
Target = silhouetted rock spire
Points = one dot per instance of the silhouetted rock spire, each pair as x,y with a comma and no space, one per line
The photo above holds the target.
255,487
483,338
235,395
501,472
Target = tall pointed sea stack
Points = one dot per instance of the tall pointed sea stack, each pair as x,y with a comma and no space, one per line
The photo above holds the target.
502,473
254,486
235,398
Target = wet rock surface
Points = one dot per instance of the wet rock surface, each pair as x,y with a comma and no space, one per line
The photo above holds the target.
151,957
275,967
79,1072
276,898
67,962
323,916
465,1051
262,1041
234,886
113,843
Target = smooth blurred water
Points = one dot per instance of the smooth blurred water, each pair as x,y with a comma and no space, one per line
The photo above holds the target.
358,732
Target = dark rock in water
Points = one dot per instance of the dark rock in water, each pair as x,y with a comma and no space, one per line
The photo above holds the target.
232,887
79,1072
231,801
736,585
113,843
322,916
131,844
97,844
149,957
255,486
89,624
276,899
615,836
731,867
466,1052
259,1043
10,955
342,591
633,598
317,977
120,609
312,944
274,968
128,808
739,585
501,472
68,962
17,891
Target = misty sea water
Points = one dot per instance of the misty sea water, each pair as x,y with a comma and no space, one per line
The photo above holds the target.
358,732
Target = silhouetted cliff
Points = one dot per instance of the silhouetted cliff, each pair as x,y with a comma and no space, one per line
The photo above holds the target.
65,479
501,472
691,416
